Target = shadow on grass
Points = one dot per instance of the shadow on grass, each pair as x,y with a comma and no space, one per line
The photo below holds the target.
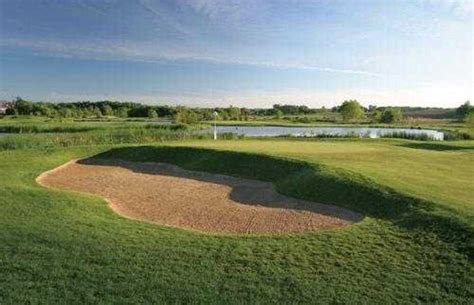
436,146
314,182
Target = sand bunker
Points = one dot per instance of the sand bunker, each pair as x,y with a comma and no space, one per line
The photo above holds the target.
169,195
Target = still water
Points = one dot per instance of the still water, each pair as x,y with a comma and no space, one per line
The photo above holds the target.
364,132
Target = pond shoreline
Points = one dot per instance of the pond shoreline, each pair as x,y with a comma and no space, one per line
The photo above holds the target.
360,132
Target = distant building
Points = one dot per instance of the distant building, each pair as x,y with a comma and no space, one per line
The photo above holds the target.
4,105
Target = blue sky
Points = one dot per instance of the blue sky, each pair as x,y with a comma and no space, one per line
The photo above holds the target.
247,53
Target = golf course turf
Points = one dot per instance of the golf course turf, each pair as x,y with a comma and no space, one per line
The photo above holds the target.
415,243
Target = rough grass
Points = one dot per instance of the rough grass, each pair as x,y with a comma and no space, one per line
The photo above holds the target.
415,245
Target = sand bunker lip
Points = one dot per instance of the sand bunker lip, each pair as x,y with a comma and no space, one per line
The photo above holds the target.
169,195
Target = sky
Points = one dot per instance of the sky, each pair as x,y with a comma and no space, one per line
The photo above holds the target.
251,53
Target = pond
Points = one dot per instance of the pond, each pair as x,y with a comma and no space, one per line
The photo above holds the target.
363,132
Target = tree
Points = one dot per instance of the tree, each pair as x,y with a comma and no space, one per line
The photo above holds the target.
207,115
23,107
244,114
152,114
49,112
97,113
372,108
291,109
122,112
392,115
351,110
279,114
107,110
470,119
464,109
185,116
234,113
65,112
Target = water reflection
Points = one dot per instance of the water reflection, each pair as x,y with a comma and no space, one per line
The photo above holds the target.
363,132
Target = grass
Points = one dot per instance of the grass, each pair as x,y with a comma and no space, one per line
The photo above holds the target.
32,124
414,246
44,135
388,162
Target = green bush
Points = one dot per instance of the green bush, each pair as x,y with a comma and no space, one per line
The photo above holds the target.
351,110
470,119
391,115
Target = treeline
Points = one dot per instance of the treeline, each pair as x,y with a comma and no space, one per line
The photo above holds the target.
430,112
350,110
466,112
86,109
135,110
103,109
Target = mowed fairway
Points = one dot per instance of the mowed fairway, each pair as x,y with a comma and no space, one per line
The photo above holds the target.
414,244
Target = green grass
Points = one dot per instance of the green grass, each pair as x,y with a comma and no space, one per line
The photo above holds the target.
112,136
414,246
425,172
32,124
44,134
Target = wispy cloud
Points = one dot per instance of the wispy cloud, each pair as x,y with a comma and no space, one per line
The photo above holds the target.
379,43
225,9
90,7
462,7
106,50
164,17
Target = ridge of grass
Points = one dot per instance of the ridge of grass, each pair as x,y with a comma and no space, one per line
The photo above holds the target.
58,246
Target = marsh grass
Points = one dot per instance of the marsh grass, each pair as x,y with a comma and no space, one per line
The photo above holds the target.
119,135
71,126
408,136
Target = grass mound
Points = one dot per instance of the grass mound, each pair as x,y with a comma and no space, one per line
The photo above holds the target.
64,247
315,182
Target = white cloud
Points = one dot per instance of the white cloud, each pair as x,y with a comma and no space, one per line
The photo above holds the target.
461,7
108,50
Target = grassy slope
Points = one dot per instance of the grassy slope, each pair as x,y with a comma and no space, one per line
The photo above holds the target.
57,245
426,170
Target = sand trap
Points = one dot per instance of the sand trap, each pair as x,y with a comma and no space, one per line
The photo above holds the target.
169,195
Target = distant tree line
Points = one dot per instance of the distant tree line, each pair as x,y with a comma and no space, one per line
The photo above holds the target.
466,112
182,114
86,109
353,111
102,109
348,111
